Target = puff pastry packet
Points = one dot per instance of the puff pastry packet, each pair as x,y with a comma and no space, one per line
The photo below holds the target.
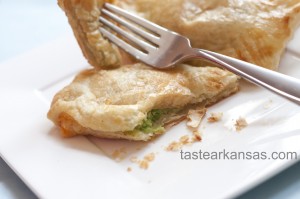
253,31
136,102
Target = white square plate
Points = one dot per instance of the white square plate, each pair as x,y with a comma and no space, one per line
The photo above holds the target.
83,167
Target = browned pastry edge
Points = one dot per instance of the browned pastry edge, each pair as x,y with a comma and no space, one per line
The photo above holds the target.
69,127
83,17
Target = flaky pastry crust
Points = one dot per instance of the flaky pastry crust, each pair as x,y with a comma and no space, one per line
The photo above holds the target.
108,103
83,16
255,31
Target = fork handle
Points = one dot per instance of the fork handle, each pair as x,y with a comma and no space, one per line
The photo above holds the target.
283,85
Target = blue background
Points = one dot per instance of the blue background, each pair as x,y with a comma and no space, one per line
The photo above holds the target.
25,25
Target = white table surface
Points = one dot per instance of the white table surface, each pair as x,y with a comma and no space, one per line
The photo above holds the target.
25,25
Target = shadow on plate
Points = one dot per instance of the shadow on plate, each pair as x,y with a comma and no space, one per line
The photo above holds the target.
117,150
284,185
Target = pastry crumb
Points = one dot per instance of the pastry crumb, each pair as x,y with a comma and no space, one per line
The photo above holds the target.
215,117
196,137
144,164
240,124
129,169
119,154
173,146
195,117
150,157
184,140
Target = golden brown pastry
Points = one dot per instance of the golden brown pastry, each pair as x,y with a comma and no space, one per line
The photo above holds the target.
135,102
83,16
255,31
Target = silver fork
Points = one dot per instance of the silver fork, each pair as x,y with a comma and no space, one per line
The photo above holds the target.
162,48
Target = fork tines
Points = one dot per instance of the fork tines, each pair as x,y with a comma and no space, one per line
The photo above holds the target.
143,34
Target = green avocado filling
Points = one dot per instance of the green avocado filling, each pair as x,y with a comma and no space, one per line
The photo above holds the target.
151,123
